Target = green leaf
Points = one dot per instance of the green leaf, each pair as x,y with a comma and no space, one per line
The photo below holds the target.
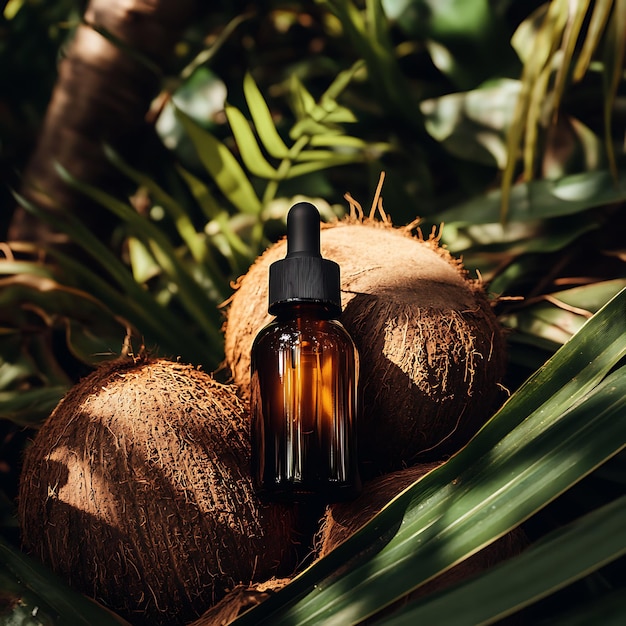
192,295
590,297
542,199
33,585
134,303
222,166
237,252
558,427
473,125
559,559
557,316
141,309
331,161
608,611
340,141
181,218
337,115
302,101
262,118
249,149
142,263
30,406
546,322
600,14
613,54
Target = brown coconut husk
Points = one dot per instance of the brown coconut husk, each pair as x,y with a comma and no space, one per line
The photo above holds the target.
432,351
239,600
136,491
342,520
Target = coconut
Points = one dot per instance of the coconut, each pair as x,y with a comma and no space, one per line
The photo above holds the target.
341,521
432,352
137,491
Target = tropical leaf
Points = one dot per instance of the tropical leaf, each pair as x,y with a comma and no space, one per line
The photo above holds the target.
473,125
537,446
35,597
262,118
541,199
29,407
251,154
192,295
368,33
613,55
550,320
558,42
559,559
126,297
223,167
180,217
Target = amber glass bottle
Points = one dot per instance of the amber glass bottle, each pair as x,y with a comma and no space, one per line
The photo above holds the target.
304,377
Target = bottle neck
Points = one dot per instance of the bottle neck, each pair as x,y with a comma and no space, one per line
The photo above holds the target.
317,310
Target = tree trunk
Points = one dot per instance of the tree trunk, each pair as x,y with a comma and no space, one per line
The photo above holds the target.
104,89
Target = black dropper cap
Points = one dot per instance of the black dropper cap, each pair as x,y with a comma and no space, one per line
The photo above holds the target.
303,275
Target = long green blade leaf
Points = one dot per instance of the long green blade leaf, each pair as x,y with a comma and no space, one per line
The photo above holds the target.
262,118
192,295
552,563
222,166
38,583
536,446
542,199
529,468
249,149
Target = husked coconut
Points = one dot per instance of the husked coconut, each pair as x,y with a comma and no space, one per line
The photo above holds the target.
431,350
137,491
341,521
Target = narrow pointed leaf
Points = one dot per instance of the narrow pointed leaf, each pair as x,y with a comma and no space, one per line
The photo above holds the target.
192,295
521,460
249,149
39,583
238,251
559,559
577,14
614,51
181,218
30,407
262,118
526,470
315,166
222,166
301,99
599,17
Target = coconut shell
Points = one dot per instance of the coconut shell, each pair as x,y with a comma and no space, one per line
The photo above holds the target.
137,491
342,520
432,351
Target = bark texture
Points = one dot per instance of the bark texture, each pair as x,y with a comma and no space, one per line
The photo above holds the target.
104,89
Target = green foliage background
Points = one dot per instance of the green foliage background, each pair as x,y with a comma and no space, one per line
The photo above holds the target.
501,120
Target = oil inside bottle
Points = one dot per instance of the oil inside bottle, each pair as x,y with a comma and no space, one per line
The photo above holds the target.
304,403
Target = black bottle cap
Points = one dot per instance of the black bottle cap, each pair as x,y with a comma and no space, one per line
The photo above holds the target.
303,275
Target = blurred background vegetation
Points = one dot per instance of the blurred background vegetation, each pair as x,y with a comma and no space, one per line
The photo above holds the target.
137,188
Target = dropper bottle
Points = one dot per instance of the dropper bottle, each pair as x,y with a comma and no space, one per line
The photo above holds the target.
304,377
